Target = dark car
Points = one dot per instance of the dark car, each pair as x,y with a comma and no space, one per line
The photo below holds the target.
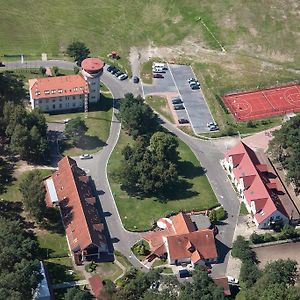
184,273
114,70
117,74
194,87
135,79
176,101
178,106
2,64
109,68
158,75
213,128
183,121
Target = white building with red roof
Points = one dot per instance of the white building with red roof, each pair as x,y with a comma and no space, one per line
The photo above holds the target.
250,178
181,242
70,92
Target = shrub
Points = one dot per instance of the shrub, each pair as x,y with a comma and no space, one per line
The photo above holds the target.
251,124
220,213
288,232
91,267
268,237
256,238
241,249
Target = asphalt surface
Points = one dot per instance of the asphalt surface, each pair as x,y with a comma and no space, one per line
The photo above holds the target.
194,102
207,152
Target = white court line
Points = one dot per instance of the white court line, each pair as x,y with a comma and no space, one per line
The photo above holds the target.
181,98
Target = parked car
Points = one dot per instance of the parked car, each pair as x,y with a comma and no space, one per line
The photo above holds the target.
184,273
159,65
191,79
114,70
178,106
158,75
194,87
86,156
176,100
232,280
210,124
195,82
118,73
135,79
123,76
213,128
66,121
154,285
2,64
109,68
158,70
183,121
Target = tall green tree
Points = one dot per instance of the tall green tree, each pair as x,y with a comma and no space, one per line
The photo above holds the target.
77,294
20,141
38,145
33,194
79,51
137,117
75,129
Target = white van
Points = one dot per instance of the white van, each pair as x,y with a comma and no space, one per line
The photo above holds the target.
158,70
159,65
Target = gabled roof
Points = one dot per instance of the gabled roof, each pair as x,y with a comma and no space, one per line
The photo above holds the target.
182,224
50,87
223,283
80,217
251,171
202,240
96,285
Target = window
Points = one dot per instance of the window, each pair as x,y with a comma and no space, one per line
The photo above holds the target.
81,96
93,83
60,105
277,217
47,100
53,106
93,97
74,97
74,104
60,99
47,107
54,100
40,101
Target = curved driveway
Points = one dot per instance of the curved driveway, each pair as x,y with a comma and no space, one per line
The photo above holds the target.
207,152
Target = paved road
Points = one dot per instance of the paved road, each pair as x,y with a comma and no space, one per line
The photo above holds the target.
208,153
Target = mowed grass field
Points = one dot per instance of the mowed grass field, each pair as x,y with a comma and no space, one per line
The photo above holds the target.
139,214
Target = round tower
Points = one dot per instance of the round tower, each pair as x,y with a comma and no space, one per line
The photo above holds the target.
92,69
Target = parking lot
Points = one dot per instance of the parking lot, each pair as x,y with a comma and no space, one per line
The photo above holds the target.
175,81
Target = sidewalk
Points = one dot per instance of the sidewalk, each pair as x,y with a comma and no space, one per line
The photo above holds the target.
69,284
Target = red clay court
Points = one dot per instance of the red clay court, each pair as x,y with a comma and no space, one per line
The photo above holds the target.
264,103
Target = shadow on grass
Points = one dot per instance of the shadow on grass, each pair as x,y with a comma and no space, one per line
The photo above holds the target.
53,221
6,178
188,170
59,273
88,142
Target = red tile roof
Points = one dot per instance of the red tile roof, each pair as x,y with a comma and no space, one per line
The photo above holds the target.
49,87
80,217
250,169
182,224
92,65
96,285
203,241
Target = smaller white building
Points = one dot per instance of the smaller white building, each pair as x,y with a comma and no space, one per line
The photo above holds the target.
252,184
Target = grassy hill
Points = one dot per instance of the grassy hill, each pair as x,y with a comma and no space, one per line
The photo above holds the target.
265,28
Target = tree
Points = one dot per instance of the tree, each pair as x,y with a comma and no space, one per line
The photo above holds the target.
76,70
55,70
75,129
33,194
137,117
77,294
38,145
42,70
202,287
212,216
288,232
20,141
241,249
249,273
164,146
78,51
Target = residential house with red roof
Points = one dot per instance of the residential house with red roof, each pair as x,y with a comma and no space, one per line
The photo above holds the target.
181,242
257,191
69,188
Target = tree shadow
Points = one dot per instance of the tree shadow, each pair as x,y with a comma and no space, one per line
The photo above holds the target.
11,210
53,221
59,272
105,104
88,142
6,178
188,170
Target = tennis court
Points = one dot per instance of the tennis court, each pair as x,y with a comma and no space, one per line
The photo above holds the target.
263,103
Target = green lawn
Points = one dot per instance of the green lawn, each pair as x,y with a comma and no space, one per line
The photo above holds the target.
98,123
159,262
12,193
108,270
123,260
53,244
196,195
160,105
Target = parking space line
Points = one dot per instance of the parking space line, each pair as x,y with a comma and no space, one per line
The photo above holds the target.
181,98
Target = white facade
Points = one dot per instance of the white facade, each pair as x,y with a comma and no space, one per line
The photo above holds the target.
93,80
58,103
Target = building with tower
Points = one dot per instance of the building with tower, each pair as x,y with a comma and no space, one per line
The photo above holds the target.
70,92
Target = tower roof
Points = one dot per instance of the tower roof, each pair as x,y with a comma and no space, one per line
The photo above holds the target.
92,65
